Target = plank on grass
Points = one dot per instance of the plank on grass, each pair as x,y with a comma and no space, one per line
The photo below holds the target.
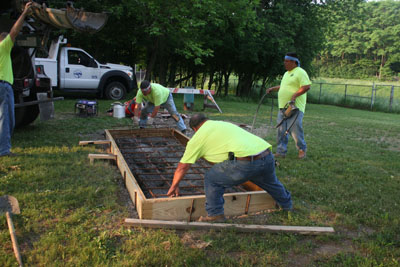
304,230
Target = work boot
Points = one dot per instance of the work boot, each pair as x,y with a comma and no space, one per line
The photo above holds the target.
216,218
302,154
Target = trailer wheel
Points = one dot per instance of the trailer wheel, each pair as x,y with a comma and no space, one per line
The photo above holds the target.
115,91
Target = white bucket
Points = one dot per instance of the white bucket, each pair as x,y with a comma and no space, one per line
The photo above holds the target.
118,110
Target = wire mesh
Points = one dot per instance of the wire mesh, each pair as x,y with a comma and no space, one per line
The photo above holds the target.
153,155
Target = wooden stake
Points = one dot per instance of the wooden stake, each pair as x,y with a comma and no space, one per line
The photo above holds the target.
13,238
303,230
247,204
191,211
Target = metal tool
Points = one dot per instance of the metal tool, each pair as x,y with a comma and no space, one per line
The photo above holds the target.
289,111
9,205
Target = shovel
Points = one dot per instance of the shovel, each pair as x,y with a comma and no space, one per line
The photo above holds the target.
9,205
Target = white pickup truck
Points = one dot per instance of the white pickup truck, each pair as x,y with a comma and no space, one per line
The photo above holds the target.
74,70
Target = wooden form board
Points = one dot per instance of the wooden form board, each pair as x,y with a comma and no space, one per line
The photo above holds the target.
303,230
186,207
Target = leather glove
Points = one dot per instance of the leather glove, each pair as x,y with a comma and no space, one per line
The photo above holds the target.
150,120
135,120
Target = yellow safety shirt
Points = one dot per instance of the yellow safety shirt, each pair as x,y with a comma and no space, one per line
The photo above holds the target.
291,82
215,139
6,72
158,95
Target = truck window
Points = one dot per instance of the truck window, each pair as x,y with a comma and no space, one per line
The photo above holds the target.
78,58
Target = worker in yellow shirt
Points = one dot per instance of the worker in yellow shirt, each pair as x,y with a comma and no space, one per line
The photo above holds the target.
7,116
157,96
293,88
238,156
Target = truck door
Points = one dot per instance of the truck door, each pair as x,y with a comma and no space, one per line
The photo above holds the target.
80,71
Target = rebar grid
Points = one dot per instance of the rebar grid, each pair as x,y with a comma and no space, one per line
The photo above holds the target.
153,160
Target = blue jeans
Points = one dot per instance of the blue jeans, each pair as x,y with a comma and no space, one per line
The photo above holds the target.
296,132
7,117
169,105
235,172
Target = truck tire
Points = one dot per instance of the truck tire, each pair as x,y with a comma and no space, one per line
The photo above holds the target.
115,91
26,115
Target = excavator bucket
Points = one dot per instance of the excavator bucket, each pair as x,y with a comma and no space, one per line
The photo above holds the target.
70,18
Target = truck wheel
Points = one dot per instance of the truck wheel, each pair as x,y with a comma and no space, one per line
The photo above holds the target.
26,115
115,91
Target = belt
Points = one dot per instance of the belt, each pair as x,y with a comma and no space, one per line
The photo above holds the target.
1,81
256,157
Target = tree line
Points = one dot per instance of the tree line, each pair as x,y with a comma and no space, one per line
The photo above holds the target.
363,42
201,43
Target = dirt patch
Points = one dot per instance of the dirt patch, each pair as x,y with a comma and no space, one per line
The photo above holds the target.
325,250
360,232
193,240
264,132
391,143
124,198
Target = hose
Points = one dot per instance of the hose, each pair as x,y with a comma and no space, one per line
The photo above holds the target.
258,108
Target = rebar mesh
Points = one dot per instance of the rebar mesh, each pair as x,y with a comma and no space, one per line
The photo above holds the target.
153,159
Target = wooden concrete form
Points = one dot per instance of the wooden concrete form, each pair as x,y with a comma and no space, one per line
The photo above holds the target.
186,207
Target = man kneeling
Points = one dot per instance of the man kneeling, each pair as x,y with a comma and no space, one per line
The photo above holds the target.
251,160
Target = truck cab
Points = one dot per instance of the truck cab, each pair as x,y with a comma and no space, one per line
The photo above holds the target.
74,70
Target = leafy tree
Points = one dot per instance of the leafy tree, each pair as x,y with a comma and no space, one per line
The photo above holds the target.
190,42
365,37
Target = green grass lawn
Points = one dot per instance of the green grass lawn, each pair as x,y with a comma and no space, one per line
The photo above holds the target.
72,212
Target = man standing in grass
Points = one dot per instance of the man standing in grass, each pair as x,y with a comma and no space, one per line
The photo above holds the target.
157,96
293,88
7,116
238,156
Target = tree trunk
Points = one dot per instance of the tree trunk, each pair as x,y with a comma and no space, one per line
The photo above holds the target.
245,82
152,60
194,78
203,80
211,80
262,89
171,76
381,66
227,74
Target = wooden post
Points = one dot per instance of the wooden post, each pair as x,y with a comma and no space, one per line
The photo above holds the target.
345,93
391,98
372,95
320,91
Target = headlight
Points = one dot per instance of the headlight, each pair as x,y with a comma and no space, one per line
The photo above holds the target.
130,74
